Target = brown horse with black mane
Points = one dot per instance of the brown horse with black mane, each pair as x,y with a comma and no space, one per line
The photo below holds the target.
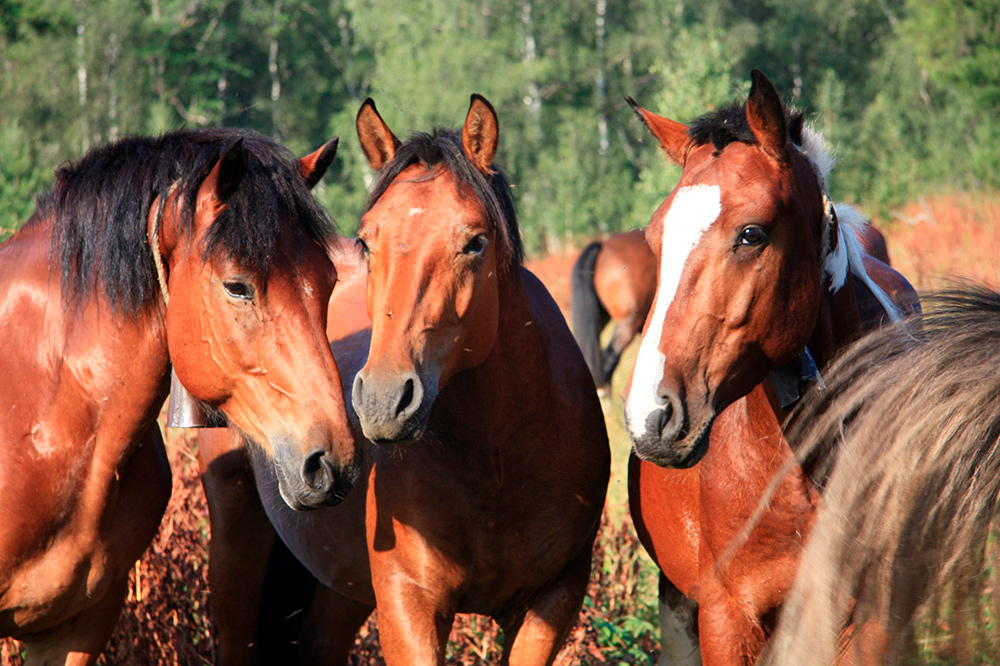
613,279
760,281
223,225
912,415
486,479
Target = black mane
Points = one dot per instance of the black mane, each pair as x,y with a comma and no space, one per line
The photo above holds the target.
100,206
493,194
728,124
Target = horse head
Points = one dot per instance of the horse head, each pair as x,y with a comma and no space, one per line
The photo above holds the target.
242,263
437,236
741,245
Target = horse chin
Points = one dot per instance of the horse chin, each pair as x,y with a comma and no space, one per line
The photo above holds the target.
409,432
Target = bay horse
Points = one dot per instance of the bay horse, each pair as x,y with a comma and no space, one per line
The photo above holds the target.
912,413
760,281
489,461
267,607
200,251
613,279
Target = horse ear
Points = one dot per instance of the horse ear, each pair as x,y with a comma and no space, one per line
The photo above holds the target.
377,140
672,135
766,116
481,133
313,166
227,173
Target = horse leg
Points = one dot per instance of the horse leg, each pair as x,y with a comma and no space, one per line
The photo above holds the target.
331,627
678,627
727,634
536,639
80,642
241,544
413,623
625,331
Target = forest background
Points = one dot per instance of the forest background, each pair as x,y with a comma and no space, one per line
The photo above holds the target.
906,91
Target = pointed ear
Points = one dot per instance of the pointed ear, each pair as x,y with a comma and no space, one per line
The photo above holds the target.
377,140
766,116
313,166
227,173
481,133
671,134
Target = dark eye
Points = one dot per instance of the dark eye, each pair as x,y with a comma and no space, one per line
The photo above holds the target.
239,289
476,245
752,235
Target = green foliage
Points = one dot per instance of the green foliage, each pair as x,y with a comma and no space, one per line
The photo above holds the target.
907,91
20,177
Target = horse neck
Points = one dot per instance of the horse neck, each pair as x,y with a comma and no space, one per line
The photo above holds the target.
491,395
125,356
838,323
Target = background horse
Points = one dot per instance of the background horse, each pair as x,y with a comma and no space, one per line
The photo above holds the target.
760,277
487,477
221,225
913,416
613,279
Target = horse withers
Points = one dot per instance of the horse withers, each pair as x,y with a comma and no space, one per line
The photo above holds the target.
613,280
201,250
761,279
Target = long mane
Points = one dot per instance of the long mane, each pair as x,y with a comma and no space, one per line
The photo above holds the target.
99,208
444,147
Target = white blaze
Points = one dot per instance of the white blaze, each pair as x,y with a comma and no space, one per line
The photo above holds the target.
692,212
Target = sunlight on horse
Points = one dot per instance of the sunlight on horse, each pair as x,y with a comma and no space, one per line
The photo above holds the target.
760,279
221,224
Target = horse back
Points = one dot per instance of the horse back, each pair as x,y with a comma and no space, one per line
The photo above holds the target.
893,283
625,275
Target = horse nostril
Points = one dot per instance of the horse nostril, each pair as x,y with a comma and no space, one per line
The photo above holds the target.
357,389
318,471
410,398
406,398
669,421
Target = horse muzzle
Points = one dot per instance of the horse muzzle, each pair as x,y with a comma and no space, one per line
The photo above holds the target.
392,408
667,439
315,480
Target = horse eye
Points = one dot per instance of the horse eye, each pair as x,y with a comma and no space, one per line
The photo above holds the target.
364,246
243,291
476,245
752,235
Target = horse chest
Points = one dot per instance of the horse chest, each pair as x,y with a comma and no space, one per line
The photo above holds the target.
747,450
514,527
55,582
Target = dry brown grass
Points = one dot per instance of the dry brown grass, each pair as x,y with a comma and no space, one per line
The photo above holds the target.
945,237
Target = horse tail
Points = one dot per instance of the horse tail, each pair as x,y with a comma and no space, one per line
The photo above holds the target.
589,316
914,412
